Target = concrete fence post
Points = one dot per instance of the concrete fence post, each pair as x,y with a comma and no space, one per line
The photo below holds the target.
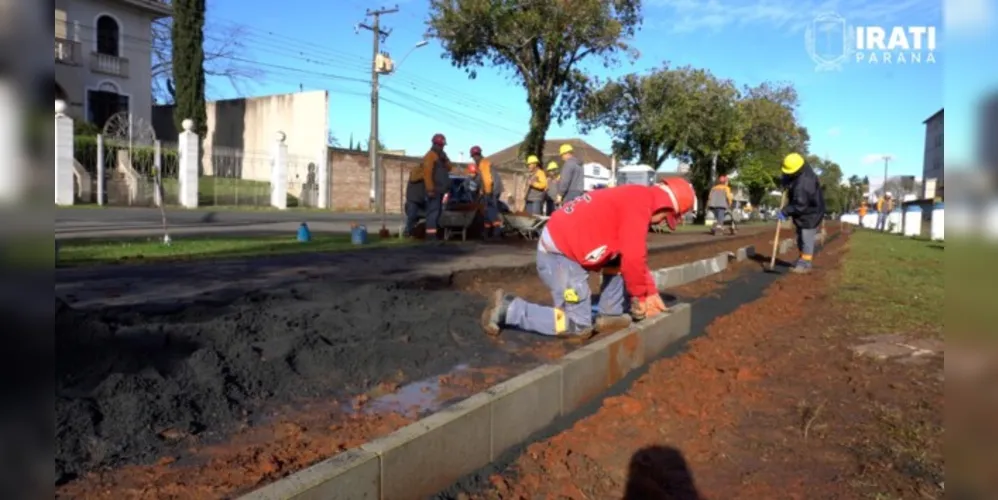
322,177
279,173
101,174
157,167
63,155
13,160
913,221
187,147
938,222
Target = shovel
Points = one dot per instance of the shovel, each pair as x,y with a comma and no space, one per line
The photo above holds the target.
776,237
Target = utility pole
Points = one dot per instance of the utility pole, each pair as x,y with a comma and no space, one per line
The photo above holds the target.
377,194
887,159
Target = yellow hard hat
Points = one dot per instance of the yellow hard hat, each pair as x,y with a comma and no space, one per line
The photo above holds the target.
792,163
565,148
532,160
552,166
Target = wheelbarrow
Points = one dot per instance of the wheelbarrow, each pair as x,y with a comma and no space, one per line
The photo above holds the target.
455,222
528,226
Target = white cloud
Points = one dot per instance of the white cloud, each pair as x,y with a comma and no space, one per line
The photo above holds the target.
789,16
834,132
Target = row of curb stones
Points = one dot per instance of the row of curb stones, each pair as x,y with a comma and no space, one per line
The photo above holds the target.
429,455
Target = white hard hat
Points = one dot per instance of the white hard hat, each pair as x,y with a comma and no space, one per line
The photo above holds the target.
888,194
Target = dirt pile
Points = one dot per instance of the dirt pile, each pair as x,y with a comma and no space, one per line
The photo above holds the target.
131,384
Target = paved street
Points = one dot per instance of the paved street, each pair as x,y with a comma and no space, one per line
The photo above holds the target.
134,222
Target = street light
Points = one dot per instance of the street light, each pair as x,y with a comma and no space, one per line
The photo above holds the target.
421,43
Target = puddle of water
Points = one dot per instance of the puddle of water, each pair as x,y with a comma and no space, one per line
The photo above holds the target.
421,396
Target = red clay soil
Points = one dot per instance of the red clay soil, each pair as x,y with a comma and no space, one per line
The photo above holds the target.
771,403
313,431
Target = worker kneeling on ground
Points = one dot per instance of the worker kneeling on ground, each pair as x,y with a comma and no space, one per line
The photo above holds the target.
606,231
805,205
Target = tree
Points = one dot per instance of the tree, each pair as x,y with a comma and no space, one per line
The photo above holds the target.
714,143
187,38
648,116
332,141
541,42
221,58
772,132
830,175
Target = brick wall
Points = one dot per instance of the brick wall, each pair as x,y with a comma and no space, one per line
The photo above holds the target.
350,181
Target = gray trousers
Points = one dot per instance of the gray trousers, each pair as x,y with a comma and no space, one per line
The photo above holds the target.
805,240
559,274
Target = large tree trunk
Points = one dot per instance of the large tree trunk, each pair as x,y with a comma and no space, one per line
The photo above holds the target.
540,121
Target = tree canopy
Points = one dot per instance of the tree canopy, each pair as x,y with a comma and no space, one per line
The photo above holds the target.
540,42
695,117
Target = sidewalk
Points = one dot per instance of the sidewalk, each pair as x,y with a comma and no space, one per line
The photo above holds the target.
131,284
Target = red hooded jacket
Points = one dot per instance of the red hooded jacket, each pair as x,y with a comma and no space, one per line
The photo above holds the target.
605,223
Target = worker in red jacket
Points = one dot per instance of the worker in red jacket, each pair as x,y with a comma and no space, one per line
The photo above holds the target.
604,230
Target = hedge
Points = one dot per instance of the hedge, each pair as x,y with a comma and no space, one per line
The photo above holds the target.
143,157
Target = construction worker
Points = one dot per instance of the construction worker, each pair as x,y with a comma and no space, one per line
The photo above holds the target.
436,169
536,186
719,201
805,205
863,209
415,198
571,184
605,231
550,205
490,186
885,204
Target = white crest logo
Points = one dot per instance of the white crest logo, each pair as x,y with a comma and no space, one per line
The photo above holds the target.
829,41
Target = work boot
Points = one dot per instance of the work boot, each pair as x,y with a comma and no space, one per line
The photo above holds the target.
578,337
608,323
802,267
494,315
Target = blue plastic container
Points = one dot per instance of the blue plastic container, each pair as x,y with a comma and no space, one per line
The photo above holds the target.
304,234
358,235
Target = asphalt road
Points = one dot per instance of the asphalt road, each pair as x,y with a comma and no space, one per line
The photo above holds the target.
136,222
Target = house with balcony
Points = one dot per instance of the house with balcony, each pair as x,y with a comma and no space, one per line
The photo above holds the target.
103,57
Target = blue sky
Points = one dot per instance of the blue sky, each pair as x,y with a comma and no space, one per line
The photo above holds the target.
853,114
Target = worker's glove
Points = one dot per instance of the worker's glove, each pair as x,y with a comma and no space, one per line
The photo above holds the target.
558,199
647,307
782,216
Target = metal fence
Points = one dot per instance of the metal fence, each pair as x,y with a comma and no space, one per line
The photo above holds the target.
131,172
231,177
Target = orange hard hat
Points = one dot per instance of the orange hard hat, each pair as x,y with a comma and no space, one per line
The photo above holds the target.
472,169
681,194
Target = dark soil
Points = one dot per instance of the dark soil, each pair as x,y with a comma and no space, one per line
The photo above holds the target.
135,385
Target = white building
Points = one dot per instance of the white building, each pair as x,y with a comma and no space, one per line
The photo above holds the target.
932,164
103,62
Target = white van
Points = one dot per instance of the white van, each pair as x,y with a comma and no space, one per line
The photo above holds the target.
636,174
595,176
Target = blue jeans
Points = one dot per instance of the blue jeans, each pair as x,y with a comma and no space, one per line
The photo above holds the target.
881,221
719,214
412,209
434,207
559,274
492,221
535,207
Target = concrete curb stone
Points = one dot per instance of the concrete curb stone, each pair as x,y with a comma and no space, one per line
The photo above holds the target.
425,457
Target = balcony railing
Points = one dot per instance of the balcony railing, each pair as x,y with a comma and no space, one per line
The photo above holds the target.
108,64
67,51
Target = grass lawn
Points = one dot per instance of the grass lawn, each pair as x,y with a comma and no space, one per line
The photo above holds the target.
133,250
893,284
